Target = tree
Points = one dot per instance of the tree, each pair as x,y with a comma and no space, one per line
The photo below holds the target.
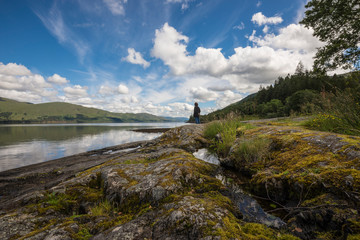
300,69
337,23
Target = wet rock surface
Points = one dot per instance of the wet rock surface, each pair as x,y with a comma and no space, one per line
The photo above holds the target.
158,190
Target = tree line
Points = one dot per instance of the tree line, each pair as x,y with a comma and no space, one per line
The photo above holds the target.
304,92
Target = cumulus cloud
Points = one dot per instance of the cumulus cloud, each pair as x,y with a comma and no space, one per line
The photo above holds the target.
57,79
129,100
221,87
260,19
227,98
19,83
116,7
180,109
266,29
170,46
106,90
136,58
76,91
13,69
122,89
181,106
292,37
203,95
271,57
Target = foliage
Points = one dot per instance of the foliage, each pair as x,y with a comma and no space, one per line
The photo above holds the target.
102,209
341,113
300,101
300,93
252,150
223,134
335,22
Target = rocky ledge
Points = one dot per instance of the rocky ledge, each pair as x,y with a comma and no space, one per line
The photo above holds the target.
306,188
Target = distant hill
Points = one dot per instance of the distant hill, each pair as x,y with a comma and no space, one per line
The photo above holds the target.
12,111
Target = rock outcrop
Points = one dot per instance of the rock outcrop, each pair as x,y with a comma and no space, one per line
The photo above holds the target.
158,190
311,179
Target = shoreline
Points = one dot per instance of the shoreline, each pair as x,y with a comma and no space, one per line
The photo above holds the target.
17,182
24,181
151,130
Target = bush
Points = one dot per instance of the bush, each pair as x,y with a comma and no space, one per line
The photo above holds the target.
252,150
341,113
222,134
302,100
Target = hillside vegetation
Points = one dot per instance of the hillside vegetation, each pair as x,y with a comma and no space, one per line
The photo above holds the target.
333,101
12,111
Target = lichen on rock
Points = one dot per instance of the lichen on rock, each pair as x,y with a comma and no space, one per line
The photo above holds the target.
159,190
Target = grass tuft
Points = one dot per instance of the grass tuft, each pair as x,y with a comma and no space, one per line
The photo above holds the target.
341,115
222,134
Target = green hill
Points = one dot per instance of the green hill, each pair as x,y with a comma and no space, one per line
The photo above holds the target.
12,111
299,94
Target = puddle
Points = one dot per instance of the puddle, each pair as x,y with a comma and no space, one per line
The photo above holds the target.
205,155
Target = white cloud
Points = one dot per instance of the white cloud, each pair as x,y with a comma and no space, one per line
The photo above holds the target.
13,69
221,87
57,79
128,100
203,95
271,57
181,106
106,90
241,26
19,83
116,7
292,37
184,3
258,4
122,89
76,91
266,29
136,58
169,46
180,109
227,98
260,19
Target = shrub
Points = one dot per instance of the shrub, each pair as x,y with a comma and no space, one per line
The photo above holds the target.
341,114
222,134
251,150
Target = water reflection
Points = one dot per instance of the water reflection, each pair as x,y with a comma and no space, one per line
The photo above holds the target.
22,145
205,155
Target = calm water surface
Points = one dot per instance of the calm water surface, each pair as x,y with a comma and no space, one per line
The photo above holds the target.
22,145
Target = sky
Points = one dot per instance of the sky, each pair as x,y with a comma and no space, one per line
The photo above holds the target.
150,56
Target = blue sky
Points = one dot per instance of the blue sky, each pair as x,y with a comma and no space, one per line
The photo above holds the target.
154,56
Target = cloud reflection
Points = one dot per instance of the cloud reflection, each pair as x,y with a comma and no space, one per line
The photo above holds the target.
36,151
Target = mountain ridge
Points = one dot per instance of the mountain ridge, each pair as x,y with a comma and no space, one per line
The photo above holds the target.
12,111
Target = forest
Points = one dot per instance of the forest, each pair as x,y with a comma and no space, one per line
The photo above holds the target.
303,93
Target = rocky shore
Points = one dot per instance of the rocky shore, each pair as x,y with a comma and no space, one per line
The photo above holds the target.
308,188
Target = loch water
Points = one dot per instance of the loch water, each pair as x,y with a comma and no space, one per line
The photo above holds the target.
25,144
